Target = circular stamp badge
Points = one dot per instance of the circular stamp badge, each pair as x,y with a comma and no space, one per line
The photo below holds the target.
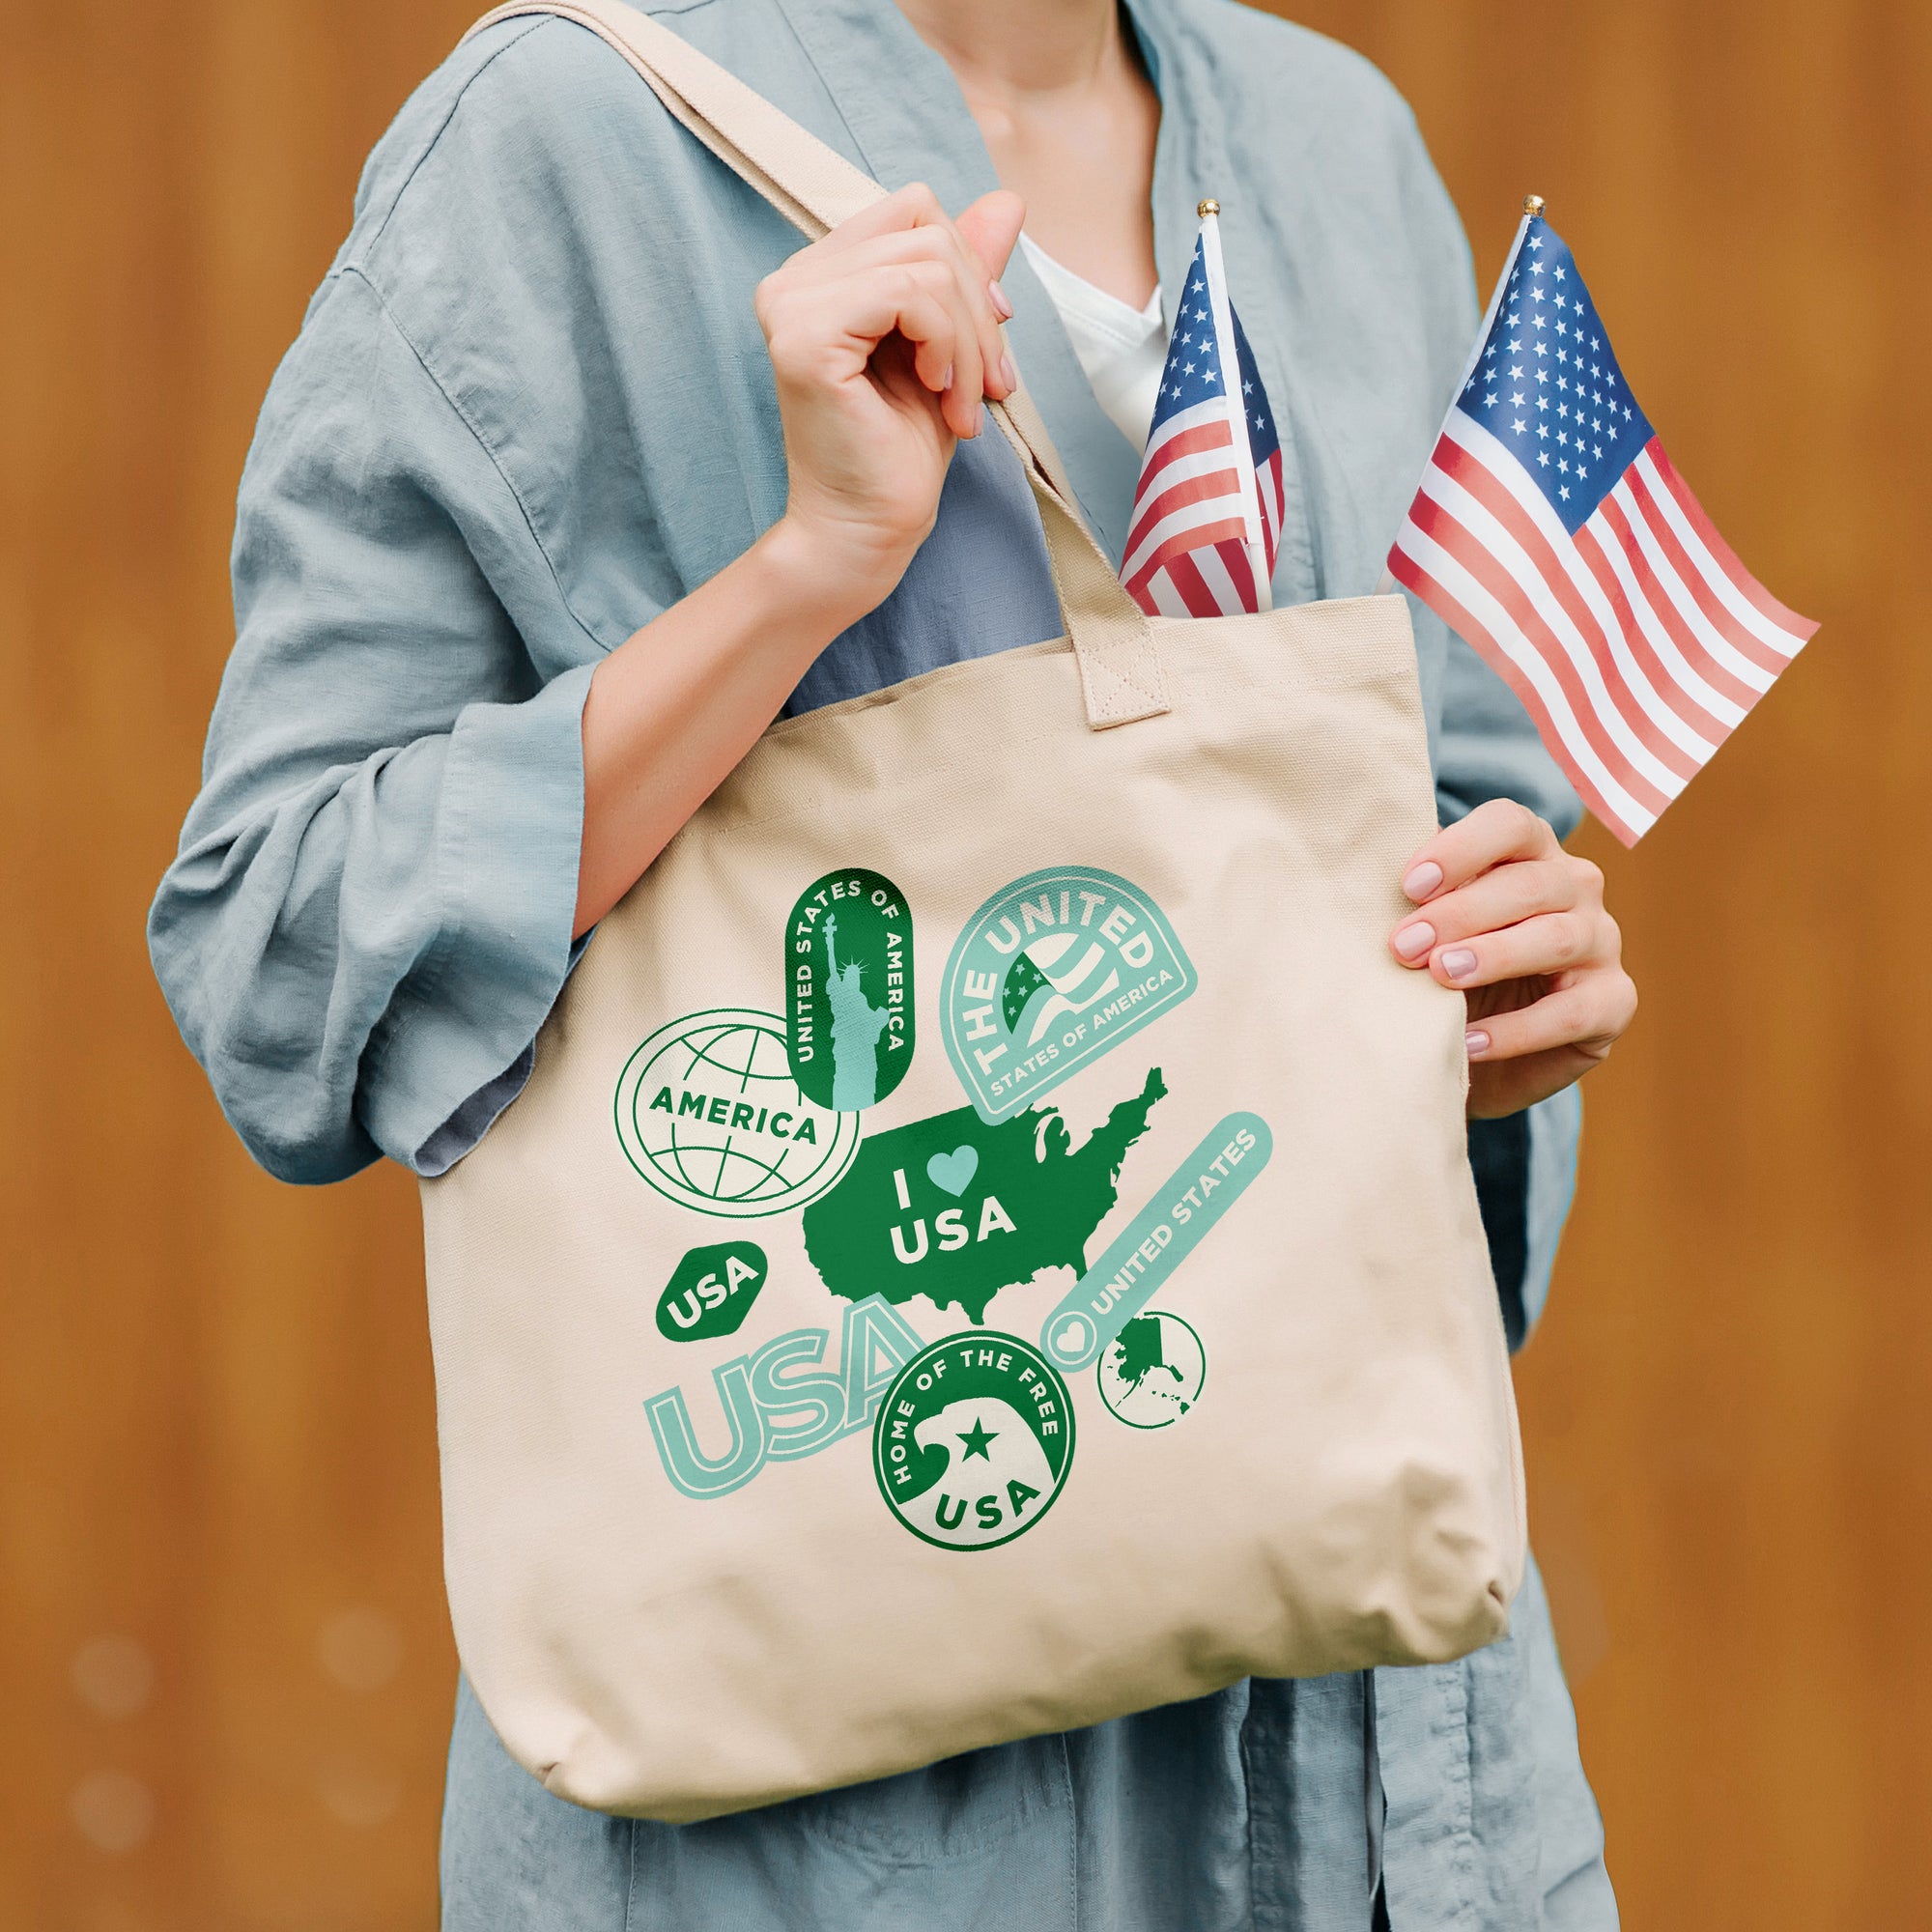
710,1113
1152,1373
974,1440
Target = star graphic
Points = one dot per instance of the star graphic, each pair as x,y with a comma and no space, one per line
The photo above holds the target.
975,1439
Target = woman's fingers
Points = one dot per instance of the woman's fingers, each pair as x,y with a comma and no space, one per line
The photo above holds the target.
1497,833
991,229
1503,896
828,333
1586,1016
1543,946
909,228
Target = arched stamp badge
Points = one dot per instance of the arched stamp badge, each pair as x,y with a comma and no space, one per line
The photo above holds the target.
974,1440
1048,974
709,1113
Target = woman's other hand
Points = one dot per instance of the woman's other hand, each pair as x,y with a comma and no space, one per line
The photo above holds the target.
1518,925
885,340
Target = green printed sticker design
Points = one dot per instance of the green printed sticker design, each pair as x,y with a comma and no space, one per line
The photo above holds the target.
709,1114
974,1440
1153,1370
848,989
711,1291
779,1405
1048,974
1099,1307
954,1209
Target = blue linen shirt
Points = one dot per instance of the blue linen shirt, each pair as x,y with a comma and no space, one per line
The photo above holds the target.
528,410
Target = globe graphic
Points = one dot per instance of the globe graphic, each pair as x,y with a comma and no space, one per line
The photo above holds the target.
709,1114
1152,1373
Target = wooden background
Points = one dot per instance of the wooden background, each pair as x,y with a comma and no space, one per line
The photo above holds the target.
225,1670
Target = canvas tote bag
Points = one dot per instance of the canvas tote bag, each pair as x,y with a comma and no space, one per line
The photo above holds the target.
988,1243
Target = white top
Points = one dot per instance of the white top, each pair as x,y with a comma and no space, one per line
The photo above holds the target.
1122,349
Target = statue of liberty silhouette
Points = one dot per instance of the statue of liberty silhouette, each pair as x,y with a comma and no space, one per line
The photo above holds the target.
856,1027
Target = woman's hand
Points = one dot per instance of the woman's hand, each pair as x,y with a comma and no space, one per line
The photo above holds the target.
884,338
1518,925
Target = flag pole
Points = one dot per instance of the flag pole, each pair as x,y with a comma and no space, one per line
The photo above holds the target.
1209,211
1533,206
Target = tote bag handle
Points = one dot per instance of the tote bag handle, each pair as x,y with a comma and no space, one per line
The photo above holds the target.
815,188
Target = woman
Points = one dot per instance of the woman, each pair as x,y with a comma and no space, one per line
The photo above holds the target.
580,472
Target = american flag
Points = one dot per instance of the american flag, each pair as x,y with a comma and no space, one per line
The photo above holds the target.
1206,517
1556,536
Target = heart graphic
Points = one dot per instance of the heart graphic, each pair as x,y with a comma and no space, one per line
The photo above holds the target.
954,1171
1073,1337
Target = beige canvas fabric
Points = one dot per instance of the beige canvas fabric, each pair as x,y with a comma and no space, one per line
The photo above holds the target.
988,1243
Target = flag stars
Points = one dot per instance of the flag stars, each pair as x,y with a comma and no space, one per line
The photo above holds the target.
1517,399
1563,491
1543,455
1521,428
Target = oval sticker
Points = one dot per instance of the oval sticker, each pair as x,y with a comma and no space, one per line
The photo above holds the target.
711,1291
848,989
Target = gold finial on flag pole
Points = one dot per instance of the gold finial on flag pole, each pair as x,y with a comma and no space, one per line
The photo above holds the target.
1532,205
1208,207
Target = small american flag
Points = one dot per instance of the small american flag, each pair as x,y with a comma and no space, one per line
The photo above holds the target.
1556,536
1206,517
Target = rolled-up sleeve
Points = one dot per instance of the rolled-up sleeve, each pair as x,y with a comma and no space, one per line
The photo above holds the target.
370,914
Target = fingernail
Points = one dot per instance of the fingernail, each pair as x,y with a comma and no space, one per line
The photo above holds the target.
1413,941
978,418
946,380
997,296
1423,881
1477,1042
1008,375
1459,963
